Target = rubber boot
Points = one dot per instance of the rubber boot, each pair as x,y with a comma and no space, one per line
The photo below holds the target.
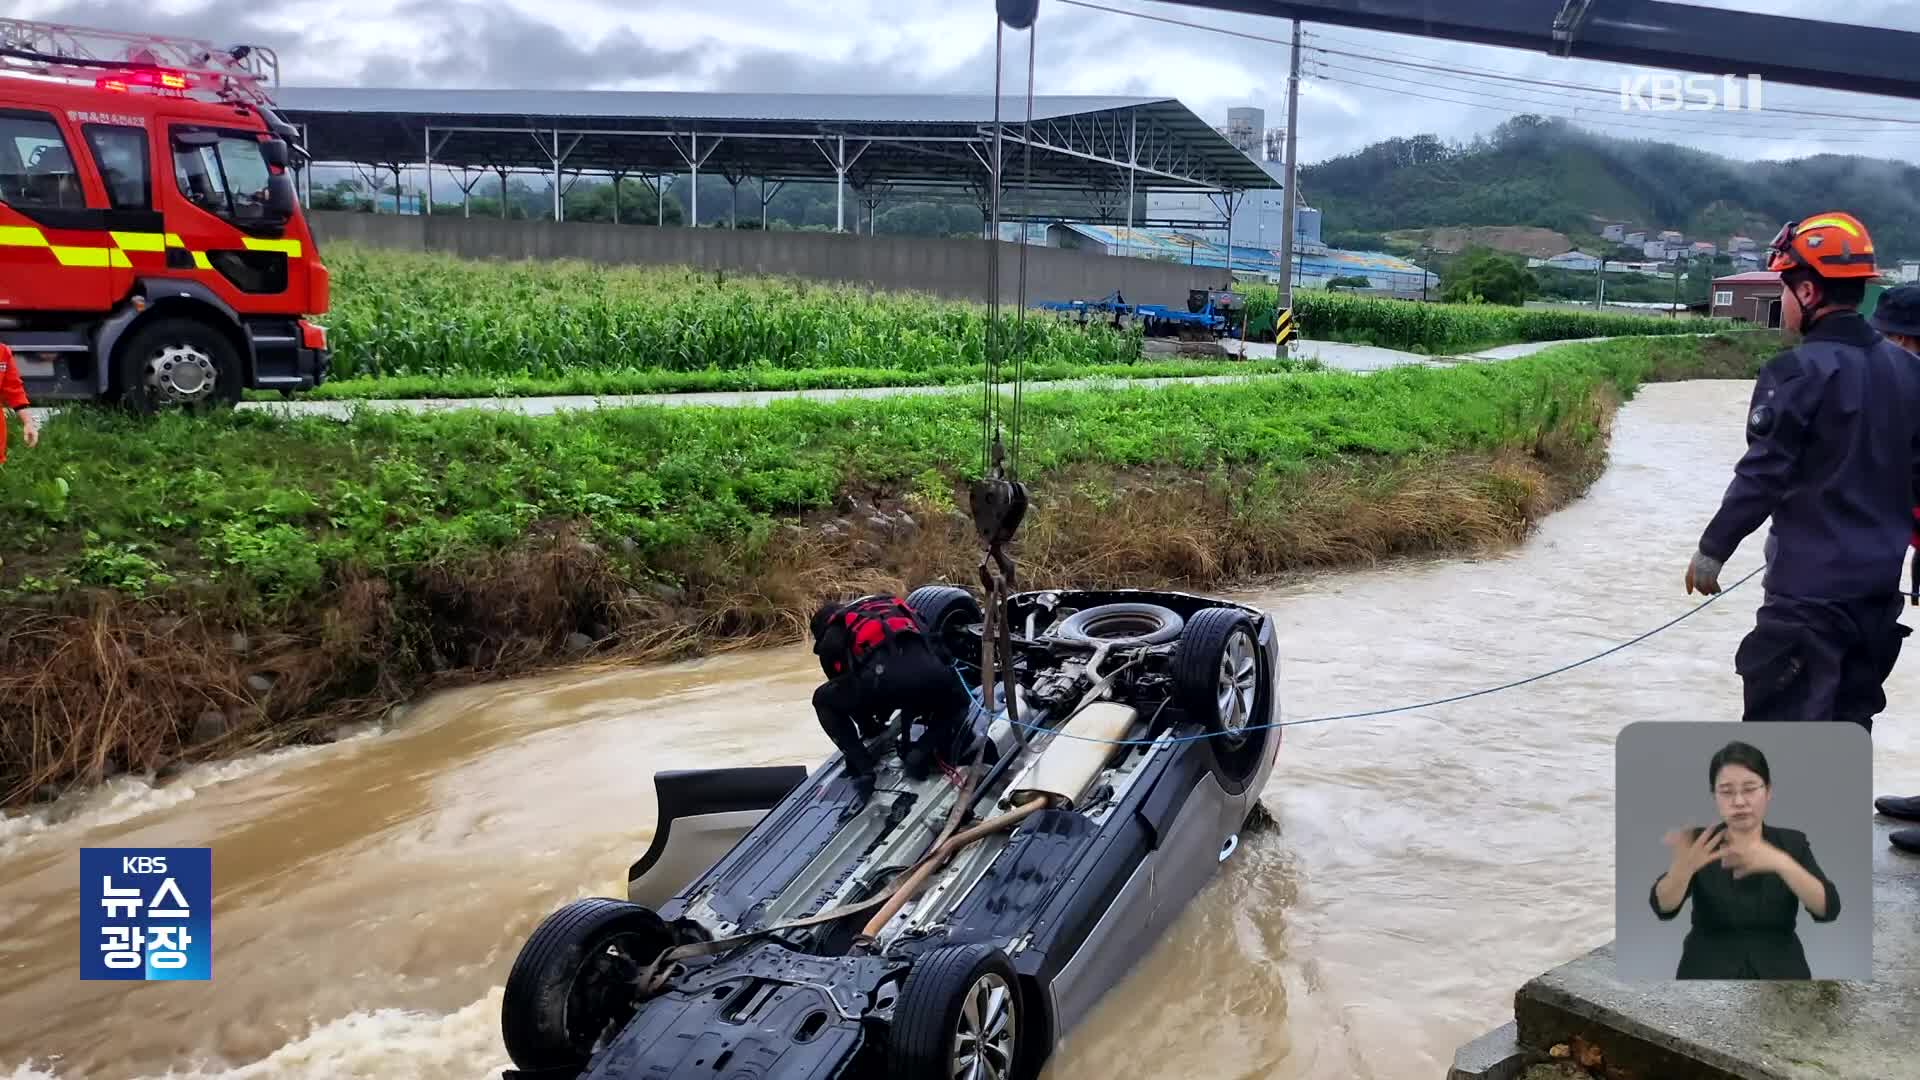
1907,840
1904,807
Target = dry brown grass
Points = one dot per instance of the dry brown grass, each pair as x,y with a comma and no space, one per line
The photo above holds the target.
103,685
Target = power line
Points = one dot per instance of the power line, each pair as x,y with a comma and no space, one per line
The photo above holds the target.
1747,120
1547,83
1640,125
1492,73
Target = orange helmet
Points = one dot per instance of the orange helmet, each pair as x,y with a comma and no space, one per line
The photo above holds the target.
1832,245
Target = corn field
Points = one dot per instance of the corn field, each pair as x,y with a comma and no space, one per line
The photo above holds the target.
1436,328
407,314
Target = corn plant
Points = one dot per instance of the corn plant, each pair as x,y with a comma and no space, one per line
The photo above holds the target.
405,314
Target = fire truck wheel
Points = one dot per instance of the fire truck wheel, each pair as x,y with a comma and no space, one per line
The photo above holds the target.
178,363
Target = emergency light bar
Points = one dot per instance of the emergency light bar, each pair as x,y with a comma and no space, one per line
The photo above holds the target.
156,78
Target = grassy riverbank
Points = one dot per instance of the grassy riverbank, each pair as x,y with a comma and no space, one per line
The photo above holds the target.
1442,329
181,588
617,382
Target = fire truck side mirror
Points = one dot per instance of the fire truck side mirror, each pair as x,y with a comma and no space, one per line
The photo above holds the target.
275,152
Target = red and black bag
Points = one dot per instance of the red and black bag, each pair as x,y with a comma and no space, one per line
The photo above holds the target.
856,630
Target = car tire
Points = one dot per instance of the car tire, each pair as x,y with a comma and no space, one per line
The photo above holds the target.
572,980
1219,676
960,1004
1121,625
944,611
170,343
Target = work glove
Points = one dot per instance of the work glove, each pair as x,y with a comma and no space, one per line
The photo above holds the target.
1703,574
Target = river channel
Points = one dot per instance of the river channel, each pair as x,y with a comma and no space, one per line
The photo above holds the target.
372,893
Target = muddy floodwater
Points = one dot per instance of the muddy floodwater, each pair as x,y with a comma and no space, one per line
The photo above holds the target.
371,894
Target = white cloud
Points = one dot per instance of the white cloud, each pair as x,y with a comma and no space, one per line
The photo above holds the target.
946,46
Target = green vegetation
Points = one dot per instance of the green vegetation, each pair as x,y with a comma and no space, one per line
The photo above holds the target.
284,508
1552,174
619,382
404,314
1484,277
1445,328
409,325
358,562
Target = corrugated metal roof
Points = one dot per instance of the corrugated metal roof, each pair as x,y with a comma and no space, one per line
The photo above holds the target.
664,105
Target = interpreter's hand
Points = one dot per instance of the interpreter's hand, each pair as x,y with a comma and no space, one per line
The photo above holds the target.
1756,856
1703,574
30,428
1689,853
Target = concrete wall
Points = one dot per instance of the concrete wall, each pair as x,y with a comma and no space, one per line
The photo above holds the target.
948,268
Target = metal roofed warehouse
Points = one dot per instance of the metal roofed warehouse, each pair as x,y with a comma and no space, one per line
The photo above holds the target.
1116,144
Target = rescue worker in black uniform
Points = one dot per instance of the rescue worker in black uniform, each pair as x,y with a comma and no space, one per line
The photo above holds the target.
1898,317
878,659
1833,450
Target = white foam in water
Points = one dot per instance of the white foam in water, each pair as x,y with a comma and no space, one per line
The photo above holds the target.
386,1044
127,797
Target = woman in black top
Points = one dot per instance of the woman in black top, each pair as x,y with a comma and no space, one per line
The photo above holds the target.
1748,881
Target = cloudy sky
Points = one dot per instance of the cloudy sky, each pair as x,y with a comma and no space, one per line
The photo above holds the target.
1359,88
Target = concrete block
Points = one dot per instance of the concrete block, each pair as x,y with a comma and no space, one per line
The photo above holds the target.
1497,1055
1816,1030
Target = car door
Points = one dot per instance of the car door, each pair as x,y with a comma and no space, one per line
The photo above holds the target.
55,254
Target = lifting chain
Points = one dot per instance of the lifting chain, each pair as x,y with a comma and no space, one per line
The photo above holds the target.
999,505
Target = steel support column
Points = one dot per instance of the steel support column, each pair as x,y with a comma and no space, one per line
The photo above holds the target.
1133,166
694,157
838,159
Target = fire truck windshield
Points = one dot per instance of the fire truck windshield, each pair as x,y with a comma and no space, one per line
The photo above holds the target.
224,173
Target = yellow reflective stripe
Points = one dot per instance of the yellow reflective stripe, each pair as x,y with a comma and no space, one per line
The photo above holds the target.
291,248
200,261
21,236
118,258
81,256
1837,223
173,240
137,241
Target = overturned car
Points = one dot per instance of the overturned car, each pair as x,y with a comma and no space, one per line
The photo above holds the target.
955,926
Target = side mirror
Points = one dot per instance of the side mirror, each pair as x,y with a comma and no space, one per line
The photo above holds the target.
275,152
282,200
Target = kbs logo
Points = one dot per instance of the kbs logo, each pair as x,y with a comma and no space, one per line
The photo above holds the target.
1667,92
146,913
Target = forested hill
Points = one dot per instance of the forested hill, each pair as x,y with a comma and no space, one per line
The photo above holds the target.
1543,172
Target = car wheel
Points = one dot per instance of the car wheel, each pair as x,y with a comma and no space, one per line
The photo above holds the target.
945,611
573,981
1120,625
958,1016
177,363
1217,674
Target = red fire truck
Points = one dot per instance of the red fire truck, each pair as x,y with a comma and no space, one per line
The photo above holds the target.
152,249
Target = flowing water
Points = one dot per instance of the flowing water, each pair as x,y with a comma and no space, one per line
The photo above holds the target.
371,894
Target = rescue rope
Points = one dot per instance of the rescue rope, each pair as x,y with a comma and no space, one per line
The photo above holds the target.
1561,670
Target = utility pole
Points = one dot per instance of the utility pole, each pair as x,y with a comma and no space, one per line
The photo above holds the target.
1600,282
1291,204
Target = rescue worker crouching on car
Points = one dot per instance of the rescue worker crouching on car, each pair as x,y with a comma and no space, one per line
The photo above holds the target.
878,659
1898,317
1833,450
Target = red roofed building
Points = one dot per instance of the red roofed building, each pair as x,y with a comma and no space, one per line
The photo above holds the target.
1752,297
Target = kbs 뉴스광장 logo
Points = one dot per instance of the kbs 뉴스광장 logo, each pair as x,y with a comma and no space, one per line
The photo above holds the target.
146,913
